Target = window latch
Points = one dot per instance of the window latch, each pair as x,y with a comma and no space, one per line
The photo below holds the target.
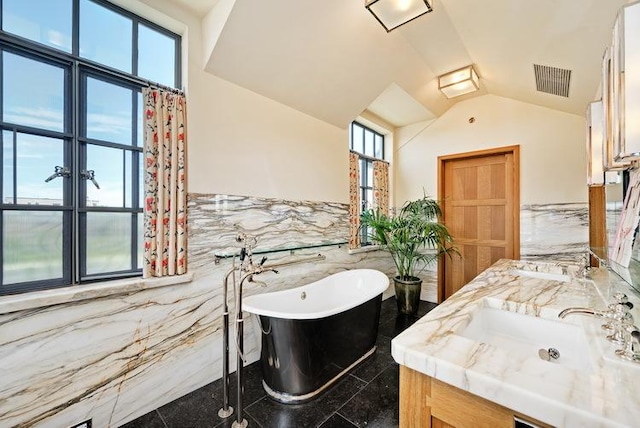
89,175
59,171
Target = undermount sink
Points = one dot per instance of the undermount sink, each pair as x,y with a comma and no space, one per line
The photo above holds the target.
526,335
542,275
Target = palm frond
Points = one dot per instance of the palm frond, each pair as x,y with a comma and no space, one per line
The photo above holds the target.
406,236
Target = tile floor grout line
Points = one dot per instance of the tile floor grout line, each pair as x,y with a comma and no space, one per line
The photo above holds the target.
367,384
166,425
378,374
346,418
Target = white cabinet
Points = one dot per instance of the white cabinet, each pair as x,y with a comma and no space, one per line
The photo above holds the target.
622,108
595,144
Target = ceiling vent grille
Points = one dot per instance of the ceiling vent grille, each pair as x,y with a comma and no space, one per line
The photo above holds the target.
552,80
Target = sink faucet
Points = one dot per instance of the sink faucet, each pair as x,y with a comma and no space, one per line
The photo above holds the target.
584,269
584,311
624,333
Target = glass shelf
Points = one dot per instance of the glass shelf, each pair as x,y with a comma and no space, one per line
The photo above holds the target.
227,255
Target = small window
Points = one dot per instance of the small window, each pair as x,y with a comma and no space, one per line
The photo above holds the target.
369,145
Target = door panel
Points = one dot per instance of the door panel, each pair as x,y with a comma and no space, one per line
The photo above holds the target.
480,199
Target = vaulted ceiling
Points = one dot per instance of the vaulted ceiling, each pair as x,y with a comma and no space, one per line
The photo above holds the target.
332,60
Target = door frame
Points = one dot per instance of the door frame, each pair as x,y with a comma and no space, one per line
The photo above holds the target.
513,150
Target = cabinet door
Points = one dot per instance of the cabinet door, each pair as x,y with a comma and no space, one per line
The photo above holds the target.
616,91
628,45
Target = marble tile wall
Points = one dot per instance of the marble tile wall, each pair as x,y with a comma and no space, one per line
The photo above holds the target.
554,231
114,358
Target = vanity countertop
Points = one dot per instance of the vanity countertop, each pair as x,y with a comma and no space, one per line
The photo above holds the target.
606,394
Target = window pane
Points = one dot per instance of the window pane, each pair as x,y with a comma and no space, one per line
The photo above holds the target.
379,147
107,165
32,93
108,242
105,36
128,184
32,246
37,158
140,109
369,182
44,21
140,181
109,112
368,143
357,139
140,239
7,167
156,56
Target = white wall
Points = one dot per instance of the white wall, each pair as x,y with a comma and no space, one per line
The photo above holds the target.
242,143
552,148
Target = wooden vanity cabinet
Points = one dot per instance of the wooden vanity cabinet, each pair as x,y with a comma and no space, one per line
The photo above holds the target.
426,402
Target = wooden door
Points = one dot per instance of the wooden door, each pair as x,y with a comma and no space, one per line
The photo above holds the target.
480,200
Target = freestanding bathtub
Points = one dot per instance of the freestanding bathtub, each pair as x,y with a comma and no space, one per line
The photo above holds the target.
314,334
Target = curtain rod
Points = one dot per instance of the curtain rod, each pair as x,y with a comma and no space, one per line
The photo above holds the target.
166,88
369,157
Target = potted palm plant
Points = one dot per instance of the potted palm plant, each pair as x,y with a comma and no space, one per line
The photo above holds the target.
415,238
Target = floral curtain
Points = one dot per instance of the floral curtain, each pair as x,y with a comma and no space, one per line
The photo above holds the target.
381,186
354,200
165,196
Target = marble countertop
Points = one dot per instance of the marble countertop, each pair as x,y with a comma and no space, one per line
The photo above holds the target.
607,394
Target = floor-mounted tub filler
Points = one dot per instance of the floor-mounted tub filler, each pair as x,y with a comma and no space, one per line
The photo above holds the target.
314,334
244,272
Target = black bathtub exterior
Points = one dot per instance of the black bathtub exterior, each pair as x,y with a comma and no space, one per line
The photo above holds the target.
301,358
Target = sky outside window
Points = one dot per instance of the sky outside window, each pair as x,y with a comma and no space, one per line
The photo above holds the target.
43,21
105,36
32,93
156,56
109,112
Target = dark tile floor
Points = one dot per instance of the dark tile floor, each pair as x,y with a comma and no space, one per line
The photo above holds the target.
368,396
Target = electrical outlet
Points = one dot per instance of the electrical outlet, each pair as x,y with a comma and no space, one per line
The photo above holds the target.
84,424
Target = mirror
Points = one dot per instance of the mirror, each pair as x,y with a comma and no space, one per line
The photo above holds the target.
614,203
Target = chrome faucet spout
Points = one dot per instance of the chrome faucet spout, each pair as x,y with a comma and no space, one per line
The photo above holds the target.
584,311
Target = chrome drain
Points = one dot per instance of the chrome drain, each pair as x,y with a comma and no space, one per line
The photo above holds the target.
549,354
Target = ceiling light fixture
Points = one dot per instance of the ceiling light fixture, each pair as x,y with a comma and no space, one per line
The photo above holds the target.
394,13
459,82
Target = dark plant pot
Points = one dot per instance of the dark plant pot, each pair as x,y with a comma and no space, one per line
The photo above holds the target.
408,295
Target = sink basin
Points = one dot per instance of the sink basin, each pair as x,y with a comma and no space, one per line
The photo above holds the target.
525,335
542,275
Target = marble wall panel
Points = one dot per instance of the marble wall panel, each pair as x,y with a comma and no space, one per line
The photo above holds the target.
114,358
554,231
118,357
